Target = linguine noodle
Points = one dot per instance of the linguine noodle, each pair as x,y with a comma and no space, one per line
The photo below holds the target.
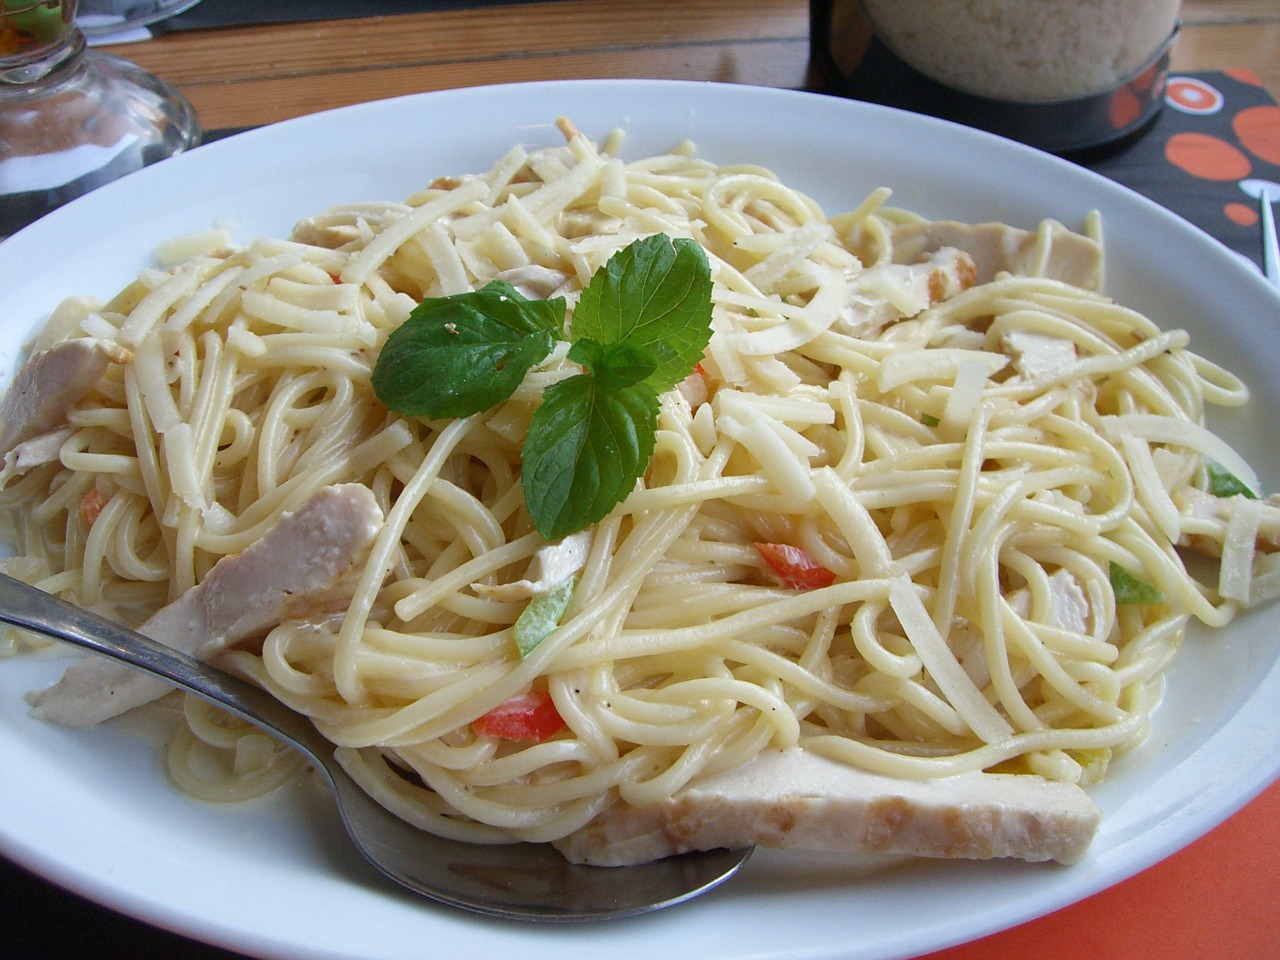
871,412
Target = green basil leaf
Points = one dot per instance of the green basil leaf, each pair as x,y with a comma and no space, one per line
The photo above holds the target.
655,293
587,445
639,328
459,355
1130,590
537,620
615,364
1224,483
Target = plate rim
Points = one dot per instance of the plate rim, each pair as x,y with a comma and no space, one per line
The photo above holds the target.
1105,872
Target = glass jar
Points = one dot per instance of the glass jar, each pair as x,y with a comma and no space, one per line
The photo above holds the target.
72,118
1064,75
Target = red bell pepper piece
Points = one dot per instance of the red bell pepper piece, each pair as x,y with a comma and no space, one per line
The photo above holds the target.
529,717
795,567
91,506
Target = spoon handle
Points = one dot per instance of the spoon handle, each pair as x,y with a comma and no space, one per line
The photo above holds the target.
515,881
26,606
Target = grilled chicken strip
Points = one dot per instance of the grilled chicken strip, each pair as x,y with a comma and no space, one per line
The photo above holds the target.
305,565
50,383
796,798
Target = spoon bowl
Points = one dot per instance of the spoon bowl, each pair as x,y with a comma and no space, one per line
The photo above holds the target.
518,881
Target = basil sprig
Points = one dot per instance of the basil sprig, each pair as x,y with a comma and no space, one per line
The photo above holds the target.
455,356
639,327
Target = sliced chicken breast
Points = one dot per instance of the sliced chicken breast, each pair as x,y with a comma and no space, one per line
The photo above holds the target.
549,568
50,383
306,565
997,247
795,798
1206,518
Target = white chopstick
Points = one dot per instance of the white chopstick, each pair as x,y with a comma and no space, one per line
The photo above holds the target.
1270,245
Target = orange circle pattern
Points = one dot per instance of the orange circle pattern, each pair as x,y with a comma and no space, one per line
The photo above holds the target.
1241,214
1207,157
1193,95
1259,131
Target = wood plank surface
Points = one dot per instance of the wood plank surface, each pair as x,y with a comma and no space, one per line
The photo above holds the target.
244,76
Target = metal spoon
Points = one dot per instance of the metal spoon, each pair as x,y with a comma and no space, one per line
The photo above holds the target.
517,881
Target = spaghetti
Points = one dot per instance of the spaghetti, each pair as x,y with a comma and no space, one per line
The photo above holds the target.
969,455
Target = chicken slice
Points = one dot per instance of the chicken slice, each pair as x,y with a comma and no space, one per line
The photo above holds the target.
1037,354
911,287
307,564
794,798
1069,608
550,567
1205,519
36,452
50,383
997,247
888,292
535,281
341,224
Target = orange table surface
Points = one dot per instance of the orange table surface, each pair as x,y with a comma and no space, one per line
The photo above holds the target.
1217,899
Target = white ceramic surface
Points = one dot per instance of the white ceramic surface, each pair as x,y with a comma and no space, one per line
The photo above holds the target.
92,811
102,20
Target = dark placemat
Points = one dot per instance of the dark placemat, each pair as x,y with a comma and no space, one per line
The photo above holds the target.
44,922
230,13
1210,154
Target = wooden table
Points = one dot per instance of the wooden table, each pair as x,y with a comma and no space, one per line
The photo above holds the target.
260,74
1216,900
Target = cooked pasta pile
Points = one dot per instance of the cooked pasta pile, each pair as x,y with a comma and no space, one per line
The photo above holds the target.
879,408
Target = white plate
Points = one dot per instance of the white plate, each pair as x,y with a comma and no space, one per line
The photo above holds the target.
91,809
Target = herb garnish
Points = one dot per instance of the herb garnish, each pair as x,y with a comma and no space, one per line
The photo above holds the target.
1129,589
639,327
1224,483
537,620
